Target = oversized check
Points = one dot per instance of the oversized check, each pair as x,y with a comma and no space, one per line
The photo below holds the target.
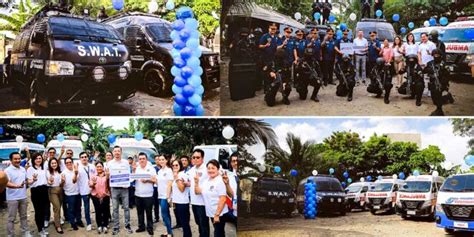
119,177
347,48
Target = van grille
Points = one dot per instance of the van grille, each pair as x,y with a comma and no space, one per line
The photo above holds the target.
412,204
457,212
377,201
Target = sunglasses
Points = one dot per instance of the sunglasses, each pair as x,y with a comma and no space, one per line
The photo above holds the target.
345,34
289,32
299,34
196,157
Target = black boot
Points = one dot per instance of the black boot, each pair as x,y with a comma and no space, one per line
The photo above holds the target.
314,96
386,99
450,98
349,97
418,101
286,100
437,112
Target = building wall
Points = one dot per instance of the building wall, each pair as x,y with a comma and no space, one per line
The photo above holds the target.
405,137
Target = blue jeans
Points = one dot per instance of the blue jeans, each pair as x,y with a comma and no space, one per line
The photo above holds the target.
165,215
120,196
73,210
87,209
201,219
183,215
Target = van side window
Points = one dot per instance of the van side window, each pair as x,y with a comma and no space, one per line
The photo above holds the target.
395,187
365,189
131,34
24,40
434,188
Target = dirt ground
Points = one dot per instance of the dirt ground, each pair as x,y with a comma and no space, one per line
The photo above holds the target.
142,104
159,228
353,224
364,103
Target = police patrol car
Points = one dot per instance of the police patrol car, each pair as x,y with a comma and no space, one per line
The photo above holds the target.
417,196
455,204
383,195
459,40
59,58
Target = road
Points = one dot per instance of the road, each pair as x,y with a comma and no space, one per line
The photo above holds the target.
142,104
364,104
353,224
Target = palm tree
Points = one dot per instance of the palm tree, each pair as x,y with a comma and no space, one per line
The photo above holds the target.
15,21
97,137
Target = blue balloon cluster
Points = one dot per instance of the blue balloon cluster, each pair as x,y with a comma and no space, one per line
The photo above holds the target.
401,175
40,138
187,68
111,138
469,160
310,200
117,4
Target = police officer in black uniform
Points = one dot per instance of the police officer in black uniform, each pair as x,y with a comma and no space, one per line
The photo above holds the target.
365,6
317,7
102,14
327,7
268,45
301,77
241,49
277,77
348,67
378,6
381,80
329,56
315,45
255,40
438,74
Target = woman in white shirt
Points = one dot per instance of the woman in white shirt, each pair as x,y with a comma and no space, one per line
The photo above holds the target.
214,192
144,193
165,180
39,191
55,191
180,196
411,58
71,190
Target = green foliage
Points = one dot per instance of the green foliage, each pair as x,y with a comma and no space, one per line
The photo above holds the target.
16,20
464,127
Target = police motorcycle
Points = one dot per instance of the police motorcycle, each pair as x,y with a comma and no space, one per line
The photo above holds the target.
438,73
381,80
345,72
308,73
277,76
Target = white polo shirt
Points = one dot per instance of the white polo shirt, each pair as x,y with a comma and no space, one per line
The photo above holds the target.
69,187
56,178
85,172
119,165
360,43
41,177
16,176
144,189
176,195
426,49
164,176
212,190
410,49
196,199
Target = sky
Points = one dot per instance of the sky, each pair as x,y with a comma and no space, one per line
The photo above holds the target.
434,131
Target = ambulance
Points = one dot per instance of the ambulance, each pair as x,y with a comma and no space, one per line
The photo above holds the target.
455,204
8,147
69,143
417,196
356,195
459,40
383,194
131,147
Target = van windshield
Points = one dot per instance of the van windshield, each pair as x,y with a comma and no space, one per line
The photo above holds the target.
134,151
5,153
160,32
381,187
328,185
75,150
462,183
416,187
458,35
73,28
382,33
275,185
354,189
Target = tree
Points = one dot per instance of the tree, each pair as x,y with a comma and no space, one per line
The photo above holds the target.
464,127
15,21
399,154
344,149
427,159
97,137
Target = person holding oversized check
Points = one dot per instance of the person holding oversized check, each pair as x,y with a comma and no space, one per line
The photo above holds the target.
119,173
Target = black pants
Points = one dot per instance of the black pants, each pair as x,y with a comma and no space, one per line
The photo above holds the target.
40,199
131,196
144,205
102,210
183,215
219,228
328,71
156,204
202,221
365,11
176,216
370,66
378,6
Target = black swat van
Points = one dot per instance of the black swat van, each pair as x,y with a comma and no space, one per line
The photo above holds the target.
62,59
272,195
147,37
331,197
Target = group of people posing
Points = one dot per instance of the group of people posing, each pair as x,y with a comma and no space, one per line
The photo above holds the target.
180,183
308,59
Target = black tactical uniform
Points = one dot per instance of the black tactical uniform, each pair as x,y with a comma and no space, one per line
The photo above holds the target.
317,7
381,79
327,7
365,8
280,82
438,74
345,73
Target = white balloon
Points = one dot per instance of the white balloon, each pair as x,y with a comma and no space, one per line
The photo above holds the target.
426,23
159,139
19,139
362,179
152,6
435,173
261,168
394,176
84,137
298,16
228,132
353,16
315,172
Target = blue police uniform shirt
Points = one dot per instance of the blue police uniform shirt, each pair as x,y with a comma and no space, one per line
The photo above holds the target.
317,49
301,46
290,45
328,51
268,53
338,45
373,53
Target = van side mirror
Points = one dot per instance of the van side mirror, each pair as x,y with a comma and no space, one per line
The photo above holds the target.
38,37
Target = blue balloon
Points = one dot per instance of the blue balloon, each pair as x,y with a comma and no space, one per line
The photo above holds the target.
339,33
180,99
411,25
343,26
175,71
195,100
432,21
138,136
117,4
199,90
189,110
192,43
174,35
170,5
396,17
176,89
469,160
401,175
175,53
349,180
343,184
293,173
380,177
195,35
186,72
177,109
403,30
378,13
184,12
1,131
346,174
111,138
178,44
197,53
188,91
277,169
331,18
180,82
40,138
331,170
195,81
193,62
198,71
369,178
443,21
60,137
191,24
184,34
178,25
179,62
317,16
200,110
186,53
416,172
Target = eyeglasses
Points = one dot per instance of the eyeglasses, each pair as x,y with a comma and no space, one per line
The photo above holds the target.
69,153
288,32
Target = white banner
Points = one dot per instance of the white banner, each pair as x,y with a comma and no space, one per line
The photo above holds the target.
119,177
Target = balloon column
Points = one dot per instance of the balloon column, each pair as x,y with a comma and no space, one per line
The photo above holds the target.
187,68
310,200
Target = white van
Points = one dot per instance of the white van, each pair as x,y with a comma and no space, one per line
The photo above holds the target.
75,145
356,195
8,147
383,195
131,147
218,152
455,204
417,196
460,47
418,31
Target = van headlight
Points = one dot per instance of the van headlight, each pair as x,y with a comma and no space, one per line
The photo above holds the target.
439,208
98,73
426,203
59,68
123,73
128,65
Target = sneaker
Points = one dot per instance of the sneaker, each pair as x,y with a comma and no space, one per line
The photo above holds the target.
28,234
42,234
105,230
89,227
176,227
45,230
99,230
156,221
115,232
129,230
61,221
46,224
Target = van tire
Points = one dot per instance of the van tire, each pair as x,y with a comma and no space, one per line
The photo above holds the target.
449,231
342,212
155,83
33,97
372,212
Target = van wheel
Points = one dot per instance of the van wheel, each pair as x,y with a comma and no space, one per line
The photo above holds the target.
449,231
372,212
33,97
343,212
155,83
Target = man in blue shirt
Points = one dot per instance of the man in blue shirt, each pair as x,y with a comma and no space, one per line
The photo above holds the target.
268,45
315,44
344,39
373,51
329,56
